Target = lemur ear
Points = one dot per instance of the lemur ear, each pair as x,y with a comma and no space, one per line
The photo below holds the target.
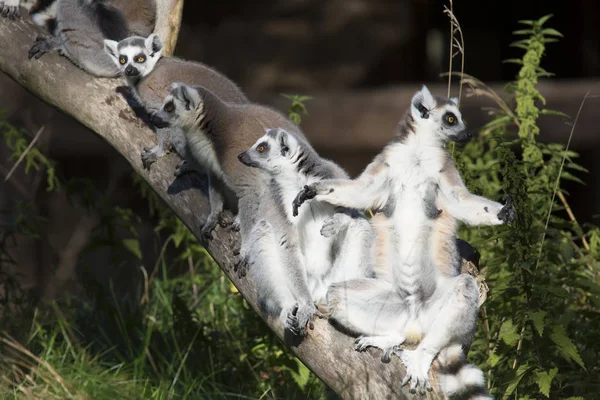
284,141
188,95
454,100
111,48
154,45
422,103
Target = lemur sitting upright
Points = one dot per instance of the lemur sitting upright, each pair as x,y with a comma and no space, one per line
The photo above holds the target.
289,163
216,133
82,25
149,76
415,181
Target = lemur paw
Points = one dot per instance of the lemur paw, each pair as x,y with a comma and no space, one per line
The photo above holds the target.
507,214
210,225
299,317
331,226
416,372
305,194
41,46
389,345
241,267
10,12
236,225
183,168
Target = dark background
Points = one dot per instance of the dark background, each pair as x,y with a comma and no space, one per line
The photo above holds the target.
361,60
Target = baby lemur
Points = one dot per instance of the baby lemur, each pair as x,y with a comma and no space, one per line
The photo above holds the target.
217,133
82,25
149,76
329,256
415,182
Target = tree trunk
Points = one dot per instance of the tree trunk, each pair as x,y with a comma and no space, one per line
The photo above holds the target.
95,103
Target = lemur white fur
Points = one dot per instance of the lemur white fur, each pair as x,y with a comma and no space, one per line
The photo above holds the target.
217,133
416,184
329,255
149,76
42,12
82,25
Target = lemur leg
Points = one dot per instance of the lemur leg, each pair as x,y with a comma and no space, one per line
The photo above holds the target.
450,318
336,223
152,154
354,258
10,9
43,45
216,198
280,277
371,308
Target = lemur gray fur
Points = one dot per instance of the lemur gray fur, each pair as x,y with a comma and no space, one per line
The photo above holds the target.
217,133
149,76
329,255
82,25
415,183
42,12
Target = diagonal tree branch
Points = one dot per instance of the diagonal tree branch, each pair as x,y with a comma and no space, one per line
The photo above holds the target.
96,104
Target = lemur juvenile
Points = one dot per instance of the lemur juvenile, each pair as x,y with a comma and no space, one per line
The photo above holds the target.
82,25
416,183
217,133
149,76
329,256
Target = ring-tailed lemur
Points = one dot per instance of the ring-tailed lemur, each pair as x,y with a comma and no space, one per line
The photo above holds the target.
416,183
82,25
217,133
329,255
149,77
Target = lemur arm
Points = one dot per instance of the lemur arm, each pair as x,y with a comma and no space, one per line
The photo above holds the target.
368,191
467,207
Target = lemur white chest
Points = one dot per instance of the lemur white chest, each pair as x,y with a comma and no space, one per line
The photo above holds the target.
202,149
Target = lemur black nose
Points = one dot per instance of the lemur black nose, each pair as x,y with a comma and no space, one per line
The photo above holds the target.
131,71
241,155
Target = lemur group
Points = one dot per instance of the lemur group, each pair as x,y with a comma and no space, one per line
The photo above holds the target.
377,255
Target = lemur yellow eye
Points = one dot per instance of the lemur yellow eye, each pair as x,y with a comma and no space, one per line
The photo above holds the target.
169,107
141,59
450,119
261,148
122,60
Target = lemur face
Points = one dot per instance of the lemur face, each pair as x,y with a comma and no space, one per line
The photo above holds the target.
135,56
272,152
180,108
439,116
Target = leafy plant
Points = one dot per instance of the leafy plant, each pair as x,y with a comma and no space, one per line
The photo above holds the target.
542,271
297,109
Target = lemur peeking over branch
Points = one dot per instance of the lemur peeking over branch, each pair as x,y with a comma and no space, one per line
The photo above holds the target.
415,182
335,243
82,25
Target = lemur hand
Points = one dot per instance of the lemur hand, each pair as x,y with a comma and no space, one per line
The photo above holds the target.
507,214
305,194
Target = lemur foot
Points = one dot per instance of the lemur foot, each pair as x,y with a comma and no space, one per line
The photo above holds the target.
507,214
224,220
416,372
389,345
299,317
241,266
152,154
305,194
183,168
210,225
331,226
236,224
41,46
9,11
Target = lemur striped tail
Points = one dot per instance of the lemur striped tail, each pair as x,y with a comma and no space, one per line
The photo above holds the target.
457,378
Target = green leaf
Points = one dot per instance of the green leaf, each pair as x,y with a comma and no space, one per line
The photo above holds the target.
537,318
521,371
544,380
513,61
508,333
523,32
551,32
545,18
566,348
545,111
133,245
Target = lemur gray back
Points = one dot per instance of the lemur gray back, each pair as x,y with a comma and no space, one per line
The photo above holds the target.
82,26
153,88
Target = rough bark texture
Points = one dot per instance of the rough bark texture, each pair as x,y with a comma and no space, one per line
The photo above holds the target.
168,22
96,104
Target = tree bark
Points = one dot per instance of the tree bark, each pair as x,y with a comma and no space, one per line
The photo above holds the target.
96,104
